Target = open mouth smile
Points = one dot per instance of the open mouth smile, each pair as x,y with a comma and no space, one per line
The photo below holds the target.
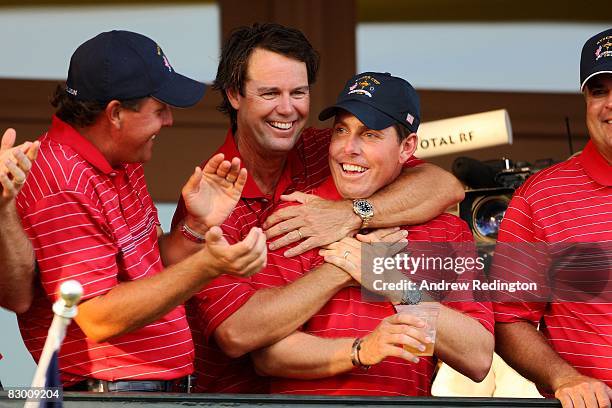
281,125
349,168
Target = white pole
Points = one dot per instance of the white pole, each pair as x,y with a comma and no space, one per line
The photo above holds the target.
65,309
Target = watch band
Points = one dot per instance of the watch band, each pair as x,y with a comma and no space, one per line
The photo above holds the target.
365,221
364,210
192,235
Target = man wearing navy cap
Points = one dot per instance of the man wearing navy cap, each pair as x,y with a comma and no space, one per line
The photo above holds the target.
354,346
569,202
89,216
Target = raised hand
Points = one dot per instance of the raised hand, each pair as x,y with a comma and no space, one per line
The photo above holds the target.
211,193
15,164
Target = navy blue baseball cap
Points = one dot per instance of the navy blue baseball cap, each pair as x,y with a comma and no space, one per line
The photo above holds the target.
125,65
379,100
596,57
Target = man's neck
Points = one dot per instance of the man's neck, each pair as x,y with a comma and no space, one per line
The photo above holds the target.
264,167
99,136
603,150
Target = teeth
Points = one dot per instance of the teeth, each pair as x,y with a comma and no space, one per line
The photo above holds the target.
281,125
353,167
153,137
610,122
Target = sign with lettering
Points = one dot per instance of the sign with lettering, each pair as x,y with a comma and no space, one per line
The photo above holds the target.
463,133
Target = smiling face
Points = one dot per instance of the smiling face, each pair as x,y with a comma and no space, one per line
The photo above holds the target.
137,130
364,160
275,105
598,97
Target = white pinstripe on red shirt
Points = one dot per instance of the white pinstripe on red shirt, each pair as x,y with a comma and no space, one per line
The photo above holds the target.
568,202
98,225
307,166
349,315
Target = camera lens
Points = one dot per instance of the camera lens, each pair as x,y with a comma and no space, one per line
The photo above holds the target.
487,215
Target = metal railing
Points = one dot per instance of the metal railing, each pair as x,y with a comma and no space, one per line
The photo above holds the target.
125,400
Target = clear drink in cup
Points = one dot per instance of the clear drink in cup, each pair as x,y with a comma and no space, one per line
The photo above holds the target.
428,312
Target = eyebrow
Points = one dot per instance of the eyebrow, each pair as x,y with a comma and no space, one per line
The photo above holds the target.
361,128
265,89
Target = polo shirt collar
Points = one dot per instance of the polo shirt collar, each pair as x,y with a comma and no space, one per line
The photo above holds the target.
294,167
595,165
62,132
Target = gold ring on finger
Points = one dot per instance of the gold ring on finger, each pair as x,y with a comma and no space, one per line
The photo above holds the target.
300,234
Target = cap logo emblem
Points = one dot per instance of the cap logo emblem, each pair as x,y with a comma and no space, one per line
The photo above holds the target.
72,91
365,85
604,49
161,54
167,64
409,118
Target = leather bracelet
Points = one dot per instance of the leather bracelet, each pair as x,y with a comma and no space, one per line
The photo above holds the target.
191,235
355,359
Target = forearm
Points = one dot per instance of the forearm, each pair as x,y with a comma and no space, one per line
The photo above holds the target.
132,305
16,262
272,314
304,356
418,195
464,344
522,346
174,247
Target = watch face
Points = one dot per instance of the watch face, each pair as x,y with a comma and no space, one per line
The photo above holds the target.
413,296
364,208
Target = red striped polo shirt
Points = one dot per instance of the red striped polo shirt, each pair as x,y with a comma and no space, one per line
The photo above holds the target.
568,202
96,224
348,315
306,167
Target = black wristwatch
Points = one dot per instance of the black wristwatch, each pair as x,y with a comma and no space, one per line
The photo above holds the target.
365,211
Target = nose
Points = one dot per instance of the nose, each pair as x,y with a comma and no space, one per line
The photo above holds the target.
285,105
609,100
167,119
352,145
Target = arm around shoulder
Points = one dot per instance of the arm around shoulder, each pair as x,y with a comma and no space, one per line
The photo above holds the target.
418,195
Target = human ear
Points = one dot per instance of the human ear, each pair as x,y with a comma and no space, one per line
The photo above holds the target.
234,97
113,113
408,147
